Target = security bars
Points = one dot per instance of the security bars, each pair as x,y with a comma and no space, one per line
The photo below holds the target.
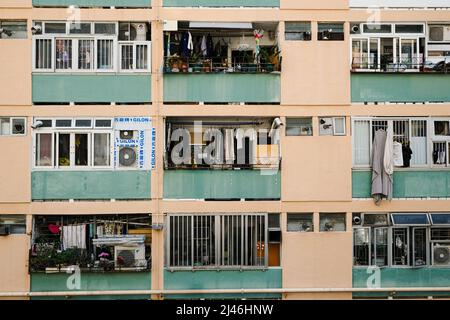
217,241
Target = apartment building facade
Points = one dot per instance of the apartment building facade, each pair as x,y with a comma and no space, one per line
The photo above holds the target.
98,201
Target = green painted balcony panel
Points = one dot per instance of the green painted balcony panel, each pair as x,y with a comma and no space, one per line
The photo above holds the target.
221,3
400,87
222,184
91,88
223,279
222,87
90,185
93,3
92,281
407,184
427,277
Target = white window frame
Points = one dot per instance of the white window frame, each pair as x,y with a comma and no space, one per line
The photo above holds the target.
135,44
391,244
11,134
35,151
54,131
390,121
369,229
368,39
344,119
116,52
427,247
396,38
389,249
82,119
430,243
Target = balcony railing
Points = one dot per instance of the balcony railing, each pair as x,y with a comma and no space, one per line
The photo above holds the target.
187,65
370,64
93,3
221,3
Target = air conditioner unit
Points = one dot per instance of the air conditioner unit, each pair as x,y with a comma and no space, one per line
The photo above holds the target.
130,257
128,157
357,219
355,29
326,126
127,134
4,230
439,33
138,32
441,255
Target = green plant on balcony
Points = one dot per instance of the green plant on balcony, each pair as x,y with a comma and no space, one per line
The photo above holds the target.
47,255
195,62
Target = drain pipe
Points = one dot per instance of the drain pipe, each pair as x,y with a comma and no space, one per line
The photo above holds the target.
220,291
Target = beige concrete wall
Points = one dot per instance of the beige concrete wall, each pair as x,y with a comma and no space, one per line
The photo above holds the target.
316,168
15,157
15,75
308,4
316,171
15,4
14,263
315,72
317,260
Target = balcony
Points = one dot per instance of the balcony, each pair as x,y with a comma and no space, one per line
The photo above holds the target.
93,3
407,184
90,185
222,158
112,252
400,87
403,277
220,3
398,4
54,282
224,279
221,184
220,63
222,88
93,88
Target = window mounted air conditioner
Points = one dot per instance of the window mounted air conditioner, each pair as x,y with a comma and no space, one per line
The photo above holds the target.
130,257
439,33
138,32
441,255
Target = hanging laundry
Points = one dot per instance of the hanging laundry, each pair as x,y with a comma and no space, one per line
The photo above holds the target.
203,47
190,45
209,46
407,153
381,180
229,146
184,44
74,236
398,154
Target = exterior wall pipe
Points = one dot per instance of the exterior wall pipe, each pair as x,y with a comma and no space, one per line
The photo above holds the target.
220,291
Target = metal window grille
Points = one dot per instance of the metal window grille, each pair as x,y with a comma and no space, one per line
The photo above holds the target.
43,54
439,153
105,53
127,57
141,56
63,54
400,247
85,54
361,142
134,56
202,241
